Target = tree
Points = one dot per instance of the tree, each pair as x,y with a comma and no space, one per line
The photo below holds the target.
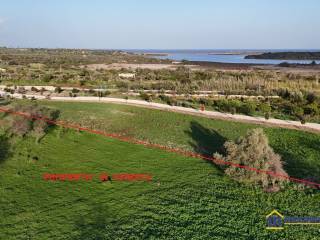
248,108
254,151
58,90
265,107
311,97
39,129
20,126
298,112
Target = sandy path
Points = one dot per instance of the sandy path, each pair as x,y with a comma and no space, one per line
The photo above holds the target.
311,127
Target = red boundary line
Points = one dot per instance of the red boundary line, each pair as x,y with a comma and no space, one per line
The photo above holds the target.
168,149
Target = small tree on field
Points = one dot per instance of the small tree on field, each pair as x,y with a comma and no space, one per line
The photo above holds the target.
254,151
20,126
39,129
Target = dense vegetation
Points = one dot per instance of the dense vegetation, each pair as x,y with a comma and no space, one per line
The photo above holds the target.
290,105
187,199
63,58
22,126
73,68
287,56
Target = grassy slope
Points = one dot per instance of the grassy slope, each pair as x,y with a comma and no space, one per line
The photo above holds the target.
300,150
189,198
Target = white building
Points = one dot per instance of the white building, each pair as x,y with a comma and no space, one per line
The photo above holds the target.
127,75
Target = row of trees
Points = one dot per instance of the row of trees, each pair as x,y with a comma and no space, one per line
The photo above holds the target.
36,123
298,106
181,80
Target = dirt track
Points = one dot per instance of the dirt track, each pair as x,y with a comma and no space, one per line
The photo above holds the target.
311,127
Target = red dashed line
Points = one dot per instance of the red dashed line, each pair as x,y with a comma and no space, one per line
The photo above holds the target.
153,145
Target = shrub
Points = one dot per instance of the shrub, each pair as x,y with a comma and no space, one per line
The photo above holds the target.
227,105
296,97
47,77
145,96
172,101
254,151
267,115
284,64
297,111
39,129
34,89
20,126
21,90
58,90
265,108
74,90
311,97
248,108
311,109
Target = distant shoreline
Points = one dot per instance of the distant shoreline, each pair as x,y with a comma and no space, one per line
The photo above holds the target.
308,56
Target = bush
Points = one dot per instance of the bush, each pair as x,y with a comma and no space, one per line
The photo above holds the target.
145,96
267,115
172,101
21,90
311,109
311,98
34,89
58,90
297,111
265,108
296,97
227,105
21,126
248,108
284,64
74,90
254,151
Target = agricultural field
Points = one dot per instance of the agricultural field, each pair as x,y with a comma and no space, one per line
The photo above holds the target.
188,198
147,120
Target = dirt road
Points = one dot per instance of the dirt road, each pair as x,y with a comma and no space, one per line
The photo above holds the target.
311,127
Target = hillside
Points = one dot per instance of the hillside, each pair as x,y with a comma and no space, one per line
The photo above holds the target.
187,198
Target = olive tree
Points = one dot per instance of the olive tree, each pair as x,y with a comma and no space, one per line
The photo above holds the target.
253,150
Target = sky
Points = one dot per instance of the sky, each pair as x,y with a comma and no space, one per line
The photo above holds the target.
161,24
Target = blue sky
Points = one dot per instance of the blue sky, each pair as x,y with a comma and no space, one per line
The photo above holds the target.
160,24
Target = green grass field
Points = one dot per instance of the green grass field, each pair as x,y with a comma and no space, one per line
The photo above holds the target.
187,199
300,150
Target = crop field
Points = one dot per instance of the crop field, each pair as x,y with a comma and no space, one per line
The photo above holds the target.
188,198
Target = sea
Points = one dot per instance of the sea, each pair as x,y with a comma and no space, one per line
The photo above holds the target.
221,55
